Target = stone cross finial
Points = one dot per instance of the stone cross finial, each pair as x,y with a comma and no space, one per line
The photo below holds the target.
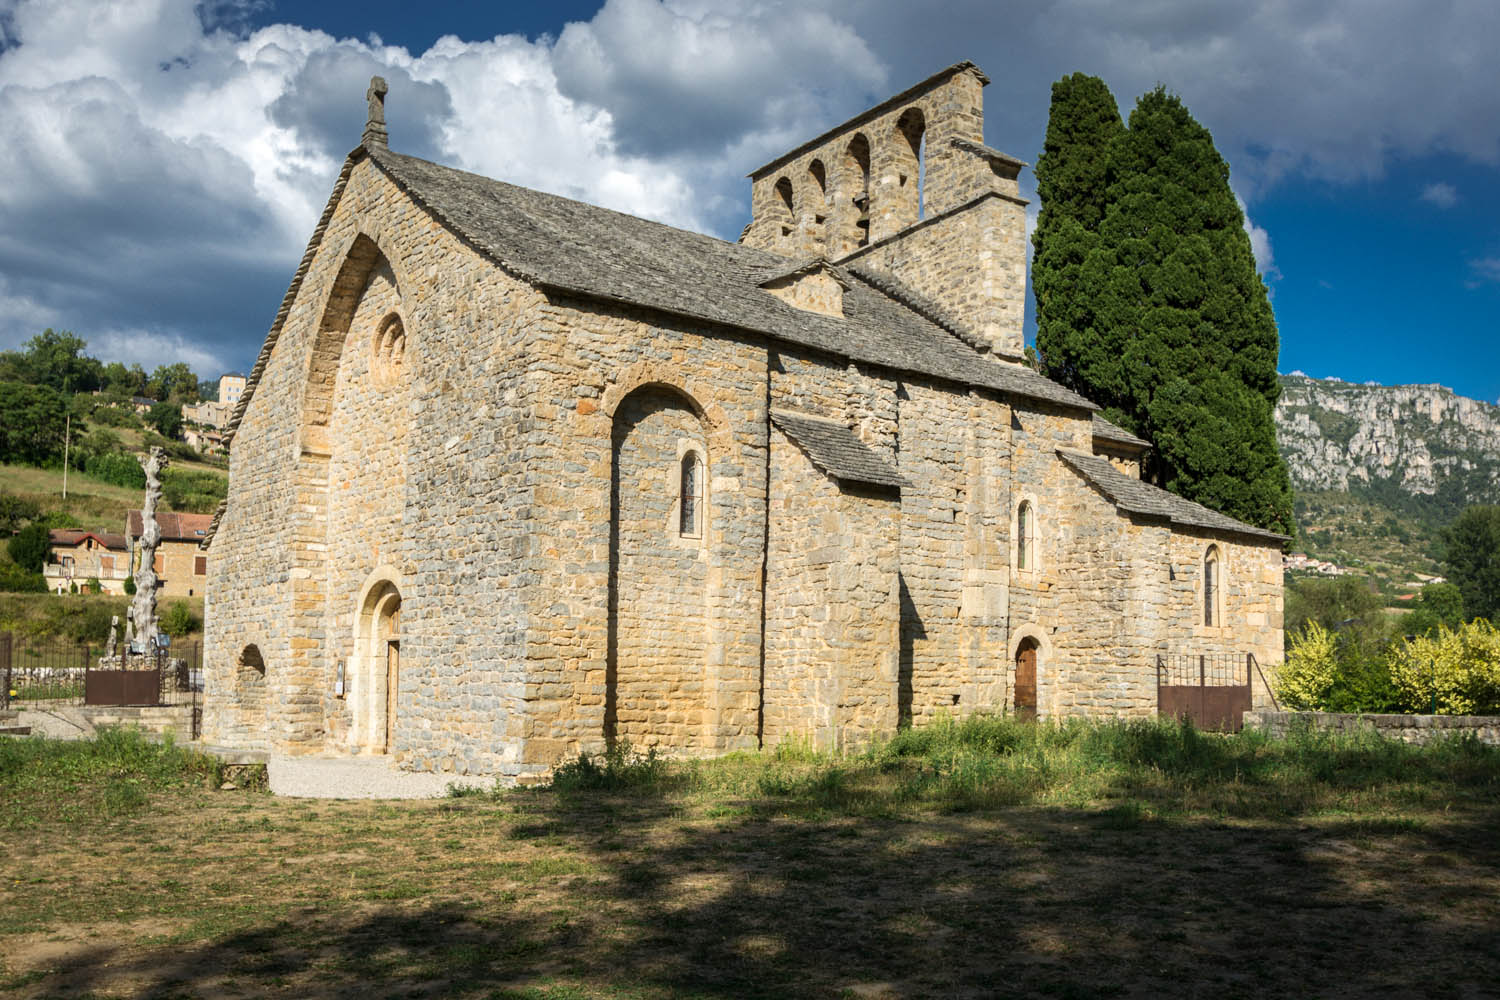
375,133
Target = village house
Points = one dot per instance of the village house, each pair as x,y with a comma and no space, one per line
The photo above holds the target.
181,565
74,558
204,422
515,476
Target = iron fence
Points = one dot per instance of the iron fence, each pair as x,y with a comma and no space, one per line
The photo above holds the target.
1203,669
51,672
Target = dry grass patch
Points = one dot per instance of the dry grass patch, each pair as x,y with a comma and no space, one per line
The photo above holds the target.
762,876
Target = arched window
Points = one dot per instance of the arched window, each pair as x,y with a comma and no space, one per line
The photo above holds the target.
1212,584
690,495
388,349
1026,536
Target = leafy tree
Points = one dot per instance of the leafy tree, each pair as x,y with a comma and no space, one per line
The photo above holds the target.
32,423
174,382
16,511
1342,604
1158,314
125,382
56,358
1471,553
28,547
1324,671
166,418
1438,604
1071,177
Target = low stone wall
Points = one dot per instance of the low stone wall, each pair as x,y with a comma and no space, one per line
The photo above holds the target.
1407,728
174,719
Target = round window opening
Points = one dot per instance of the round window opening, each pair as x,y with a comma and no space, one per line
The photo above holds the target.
389,347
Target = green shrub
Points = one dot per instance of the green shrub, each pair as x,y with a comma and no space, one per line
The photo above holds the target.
194,490
93,586
118,468
179,620
28,547
15,580
1458,669
617,769
1326,672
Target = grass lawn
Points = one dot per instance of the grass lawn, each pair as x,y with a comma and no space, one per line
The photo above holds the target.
992,858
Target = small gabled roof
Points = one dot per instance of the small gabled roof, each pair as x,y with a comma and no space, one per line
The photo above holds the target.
1115,434
1135,497
67,537
833,447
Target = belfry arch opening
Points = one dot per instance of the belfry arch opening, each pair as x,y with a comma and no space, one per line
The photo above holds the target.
909,142
857,181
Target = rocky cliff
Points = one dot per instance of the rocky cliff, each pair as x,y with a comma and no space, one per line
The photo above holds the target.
1397,442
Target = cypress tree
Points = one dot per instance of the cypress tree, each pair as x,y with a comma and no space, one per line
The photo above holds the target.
1177,342
1071,183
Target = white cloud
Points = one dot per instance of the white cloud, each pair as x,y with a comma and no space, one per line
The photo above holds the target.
163,176
1441,194
1483,271
1260,245
150,348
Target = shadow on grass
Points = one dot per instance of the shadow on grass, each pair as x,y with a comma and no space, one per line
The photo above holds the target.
808,889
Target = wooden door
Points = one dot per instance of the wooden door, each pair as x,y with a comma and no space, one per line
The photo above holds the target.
1025,700
392,685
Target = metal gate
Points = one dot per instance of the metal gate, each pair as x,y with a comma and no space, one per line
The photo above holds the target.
122,687
1210,690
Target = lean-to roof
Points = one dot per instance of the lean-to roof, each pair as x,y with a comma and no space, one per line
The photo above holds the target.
1133,496
836,450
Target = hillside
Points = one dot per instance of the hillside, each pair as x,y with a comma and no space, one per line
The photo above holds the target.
1380,470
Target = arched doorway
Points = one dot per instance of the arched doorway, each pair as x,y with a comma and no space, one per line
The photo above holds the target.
376,680
1024,700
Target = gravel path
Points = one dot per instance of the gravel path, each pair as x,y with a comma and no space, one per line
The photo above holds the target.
360,778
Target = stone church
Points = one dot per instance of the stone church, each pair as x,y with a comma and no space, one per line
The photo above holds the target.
515,476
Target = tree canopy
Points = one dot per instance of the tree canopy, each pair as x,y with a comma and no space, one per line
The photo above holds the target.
1157,313
1071,176
1471,553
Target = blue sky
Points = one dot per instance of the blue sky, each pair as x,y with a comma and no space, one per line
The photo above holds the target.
166,160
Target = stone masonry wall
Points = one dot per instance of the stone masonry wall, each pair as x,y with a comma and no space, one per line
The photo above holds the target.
466,493
971,262
587,360
1406,728
658,695
832,606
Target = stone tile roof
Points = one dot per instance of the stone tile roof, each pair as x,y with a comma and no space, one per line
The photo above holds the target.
174,527
834,448
581,249
69,538
1113,432
1132,495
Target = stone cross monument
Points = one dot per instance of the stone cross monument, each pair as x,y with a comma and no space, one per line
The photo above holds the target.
375,133
143,605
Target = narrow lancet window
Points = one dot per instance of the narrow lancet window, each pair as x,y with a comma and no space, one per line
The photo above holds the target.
1211,585
1025,536
690,508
